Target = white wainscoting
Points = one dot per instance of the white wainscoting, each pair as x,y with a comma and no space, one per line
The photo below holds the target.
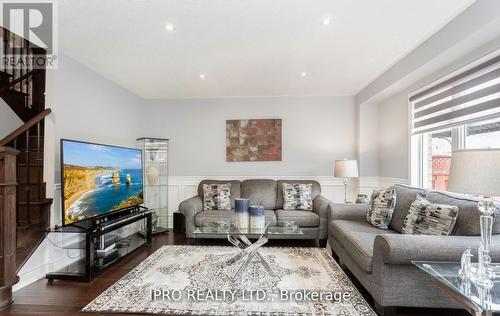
48,256
181,188
184,187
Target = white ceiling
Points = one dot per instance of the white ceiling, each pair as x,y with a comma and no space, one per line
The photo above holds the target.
247,47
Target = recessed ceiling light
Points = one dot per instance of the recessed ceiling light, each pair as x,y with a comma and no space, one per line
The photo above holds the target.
303,74
202,76
169,27
326,21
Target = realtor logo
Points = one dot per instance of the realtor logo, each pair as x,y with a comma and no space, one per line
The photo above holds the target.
35,21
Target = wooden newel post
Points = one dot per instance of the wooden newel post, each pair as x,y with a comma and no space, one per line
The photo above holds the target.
8,184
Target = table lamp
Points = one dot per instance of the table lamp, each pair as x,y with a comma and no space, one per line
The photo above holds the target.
477,172
346,169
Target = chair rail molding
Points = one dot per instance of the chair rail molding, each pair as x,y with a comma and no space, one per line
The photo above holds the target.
181,188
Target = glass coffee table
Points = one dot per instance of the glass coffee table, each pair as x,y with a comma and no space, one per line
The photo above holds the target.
240,238
476,299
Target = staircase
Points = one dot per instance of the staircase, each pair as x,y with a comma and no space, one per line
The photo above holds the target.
23,89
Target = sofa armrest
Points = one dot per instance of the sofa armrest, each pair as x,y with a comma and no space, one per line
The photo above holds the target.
189,208
403,249
321,207
350,212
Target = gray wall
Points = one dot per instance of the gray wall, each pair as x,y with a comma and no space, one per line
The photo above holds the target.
394,125
367,140
316,131
393,147
472,35
88,107
9,121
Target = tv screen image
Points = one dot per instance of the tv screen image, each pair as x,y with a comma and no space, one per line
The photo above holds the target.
98,179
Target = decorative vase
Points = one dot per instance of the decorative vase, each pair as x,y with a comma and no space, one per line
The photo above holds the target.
241,207
257,219
152,175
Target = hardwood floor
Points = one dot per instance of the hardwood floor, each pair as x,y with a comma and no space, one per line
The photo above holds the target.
69,297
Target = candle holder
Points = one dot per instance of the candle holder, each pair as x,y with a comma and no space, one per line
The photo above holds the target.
257,218
241,207
487,208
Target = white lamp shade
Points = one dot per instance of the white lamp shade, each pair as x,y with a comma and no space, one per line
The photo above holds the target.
346,168
475,172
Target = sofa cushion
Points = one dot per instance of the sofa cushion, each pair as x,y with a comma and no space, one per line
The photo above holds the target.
217,196
235,188
405,195
297,196
426,218
381,207
468,214
315,191
300,217
357,238
260,192
206,217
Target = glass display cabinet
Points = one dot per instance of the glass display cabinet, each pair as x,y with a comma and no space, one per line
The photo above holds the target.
155,169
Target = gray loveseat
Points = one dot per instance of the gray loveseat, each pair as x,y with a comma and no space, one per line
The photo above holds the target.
381,259
267,193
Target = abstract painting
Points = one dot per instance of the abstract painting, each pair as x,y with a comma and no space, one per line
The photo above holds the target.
253,140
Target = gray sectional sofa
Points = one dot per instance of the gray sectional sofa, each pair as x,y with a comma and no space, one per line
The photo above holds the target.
267,193
381,259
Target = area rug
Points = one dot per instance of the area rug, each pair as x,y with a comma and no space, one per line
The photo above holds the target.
194,280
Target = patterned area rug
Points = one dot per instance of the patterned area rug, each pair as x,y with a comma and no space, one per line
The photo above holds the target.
194,280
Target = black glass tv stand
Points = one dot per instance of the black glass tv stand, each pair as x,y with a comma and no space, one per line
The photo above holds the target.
93,245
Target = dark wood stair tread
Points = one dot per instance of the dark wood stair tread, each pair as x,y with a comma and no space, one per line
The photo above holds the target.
5,74
26,226
15,92
44,202
31,164
31,183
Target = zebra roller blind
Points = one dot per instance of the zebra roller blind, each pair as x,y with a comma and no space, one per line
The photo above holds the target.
468,96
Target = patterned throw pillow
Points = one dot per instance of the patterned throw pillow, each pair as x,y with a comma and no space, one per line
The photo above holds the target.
297,196
381,208
426,218
217,196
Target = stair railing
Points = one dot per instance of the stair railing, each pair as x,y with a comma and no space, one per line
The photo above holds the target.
13,139
25,127
25,79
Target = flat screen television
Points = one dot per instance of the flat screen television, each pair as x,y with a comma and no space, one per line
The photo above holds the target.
98,179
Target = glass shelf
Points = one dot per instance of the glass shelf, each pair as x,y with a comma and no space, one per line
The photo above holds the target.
155,169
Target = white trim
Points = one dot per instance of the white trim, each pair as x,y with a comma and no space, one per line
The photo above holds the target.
48,257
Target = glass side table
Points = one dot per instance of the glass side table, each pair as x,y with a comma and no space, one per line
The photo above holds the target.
477,300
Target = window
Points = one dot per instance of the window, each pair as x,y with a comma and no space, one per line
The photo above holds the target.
434,157
461,112
440,155
484,134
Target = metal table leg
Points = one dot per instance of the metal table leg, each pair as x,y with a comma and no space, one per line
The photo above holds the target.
248,250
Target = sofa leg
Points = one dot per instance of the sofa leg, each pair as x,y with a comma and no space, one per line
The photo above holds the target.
385,310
